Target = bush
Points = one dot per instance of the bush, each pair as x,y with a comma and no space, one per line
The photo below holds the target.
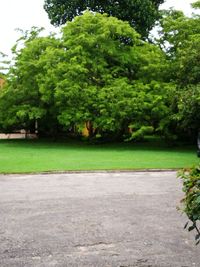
191,201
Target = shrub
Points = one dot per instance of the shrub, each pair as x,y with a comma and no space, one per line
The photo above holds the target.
191,200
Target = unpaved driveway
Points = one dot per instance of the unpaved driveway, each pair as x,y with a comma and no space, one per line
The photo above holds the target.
94,219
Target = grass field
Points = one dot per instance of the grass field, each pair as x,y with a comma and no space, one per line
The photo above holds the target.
21,156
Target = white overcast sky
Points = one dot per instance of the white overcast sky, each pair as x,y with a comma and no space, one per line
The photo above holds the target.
24,14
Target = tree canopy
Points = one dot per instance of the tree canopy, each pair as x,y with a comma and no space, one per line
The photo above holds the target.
141,14
23,101
100,73
105,78
180,39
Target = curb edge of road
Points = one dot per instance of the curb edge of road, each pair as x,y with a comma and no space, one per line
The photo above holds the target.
91,171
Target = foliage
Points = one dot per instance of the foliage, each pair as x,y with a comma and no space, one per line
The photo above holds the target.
106,82
99,73
141,14
24,100
191,201
188,115
196,4
180,39
4,64
175,29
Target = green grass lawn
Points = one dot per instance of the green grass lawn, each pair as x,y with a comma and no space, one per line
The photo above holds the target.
38,156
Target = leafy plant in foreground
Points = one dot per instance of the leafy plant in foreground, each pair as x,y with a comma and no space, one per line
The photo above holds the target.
191,201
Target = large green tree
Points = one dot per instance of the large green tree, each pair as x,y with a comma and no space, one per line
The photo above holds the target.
141,14
111,84
180,39
24,101
99,73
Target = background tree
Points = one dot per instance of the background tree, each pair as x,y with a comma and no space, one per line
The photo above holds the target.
180,39
24,100
108,82
141,14
99,73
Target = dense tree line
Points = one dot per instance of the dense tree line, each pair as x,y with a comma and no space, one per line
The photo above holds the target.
101,73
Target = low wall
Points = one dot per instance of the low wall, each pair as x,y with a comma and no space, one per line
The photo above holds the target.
18,136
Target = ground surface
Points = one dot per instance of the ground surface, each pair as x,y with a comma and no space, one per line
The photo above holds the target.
28,156
94,219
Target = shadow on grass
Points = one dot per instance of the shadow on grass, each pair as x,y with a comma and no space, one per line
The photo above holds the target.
150,144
